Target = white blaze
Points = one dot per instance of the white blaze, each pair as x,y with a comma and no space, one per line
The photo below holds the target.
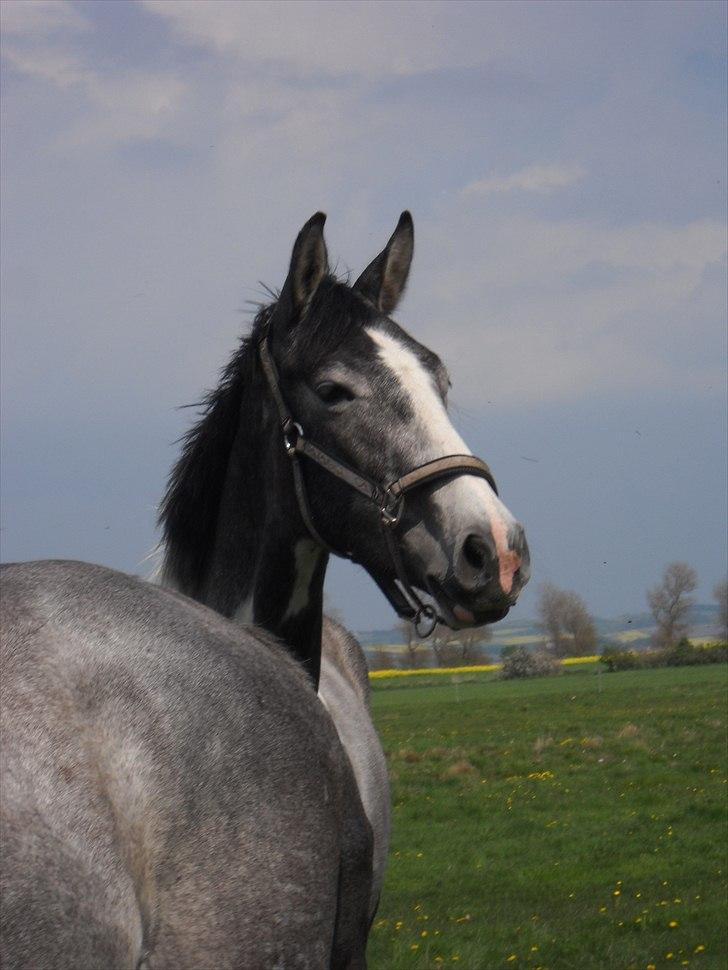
466,499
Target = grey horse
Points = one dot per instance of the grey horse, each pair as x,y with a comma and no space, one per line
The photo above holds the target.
173,792
238,536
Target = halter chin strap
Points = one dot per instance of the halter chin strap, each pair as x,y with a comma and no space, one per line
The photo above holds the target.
389,499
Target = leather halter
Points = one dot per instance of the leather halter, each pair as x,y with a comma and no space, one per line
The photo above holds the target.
388,498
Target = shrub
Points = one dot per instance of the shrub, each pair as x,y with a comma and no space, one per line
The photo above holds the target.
687,654
521,662
616,658
683,654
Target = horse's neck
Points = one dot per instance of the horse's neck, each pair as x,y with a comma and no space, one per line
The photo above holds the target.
262,568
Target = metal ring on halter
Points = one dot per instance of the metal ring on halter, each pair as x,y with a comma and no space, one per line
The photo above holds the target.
290,445
428,612
391,511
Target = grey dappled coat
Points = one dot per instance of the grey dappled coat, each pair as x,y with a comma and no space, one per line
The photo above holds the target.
173,793
344,691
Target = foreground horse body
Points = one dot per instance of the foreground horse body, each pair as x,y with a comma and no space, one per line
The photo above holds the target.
174,793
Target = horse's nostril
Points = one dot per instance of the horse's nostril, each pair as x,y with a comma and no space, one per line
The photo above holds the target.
476,552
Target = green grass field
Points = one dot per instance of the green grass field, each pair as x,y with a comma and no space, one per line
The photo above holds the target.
571,822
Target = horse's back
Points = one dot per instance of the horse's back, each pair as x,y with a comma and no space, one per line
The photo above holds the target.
171,789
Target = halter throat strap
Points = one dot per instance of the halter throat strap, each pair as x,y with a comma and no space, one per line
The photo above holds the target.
388,498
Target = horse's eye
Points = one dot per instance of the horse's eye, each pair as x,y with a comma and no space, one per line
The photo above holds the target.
331,393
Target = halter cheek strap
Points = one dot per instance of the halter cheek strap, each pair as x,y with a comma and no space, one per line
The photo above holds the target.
388,498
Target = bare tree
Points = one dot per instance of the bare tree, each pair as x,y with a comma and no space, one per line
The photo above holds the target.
381,658
550,612
412,645
566,621
720,593
472,642
670,603
460,648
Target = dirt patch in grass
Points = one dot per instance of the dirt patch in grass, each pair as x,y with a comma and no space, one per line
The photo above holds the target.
541,744
440,752
591,744
460,769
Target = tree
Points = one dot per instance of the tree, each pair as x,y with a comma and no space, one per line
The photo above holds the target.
670,603
412,645
720,593
460,648
566,621
382,658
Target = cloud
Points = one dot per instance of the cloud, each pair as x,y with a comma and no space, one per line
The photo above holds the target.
40,17
115,109
375,39
567,309
544,288
533,178
51,64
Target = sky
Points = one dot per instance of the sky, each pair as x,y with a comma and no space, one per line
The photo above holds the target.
565,164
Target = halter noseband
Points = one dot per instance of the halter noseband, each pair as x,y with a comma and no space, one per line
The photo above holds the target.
389,499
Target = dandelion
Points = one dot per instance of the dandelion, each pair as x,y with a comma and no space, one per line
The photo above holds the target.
423,933
673,924
414,946
511,958
699,948
617,892
651,966
669,956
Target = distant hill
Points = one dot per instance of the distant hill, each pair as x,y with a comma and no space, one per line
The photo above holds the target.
632,629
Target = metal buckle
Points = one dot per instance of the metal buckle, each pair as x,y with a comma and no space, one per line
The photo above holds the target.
425,612
391,510
290,442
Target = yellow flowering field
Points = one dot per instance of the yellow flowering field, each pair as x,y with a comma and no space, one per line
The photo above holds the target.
474,669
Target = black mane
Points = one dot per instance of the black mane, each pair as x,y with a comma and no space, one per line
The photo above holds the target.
189,509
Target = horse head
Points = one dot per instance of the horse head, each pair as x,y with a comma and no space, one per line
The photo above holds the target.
359,398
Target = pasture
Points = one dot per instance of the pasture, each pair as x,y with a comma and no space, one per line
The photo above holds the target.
568,823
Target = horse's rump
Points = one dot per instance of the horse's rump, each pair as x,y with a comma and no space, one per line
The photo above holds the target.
171,787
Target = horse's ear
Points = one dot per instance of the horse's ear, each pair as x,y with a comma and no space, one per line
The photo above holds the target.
309,265
384,279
